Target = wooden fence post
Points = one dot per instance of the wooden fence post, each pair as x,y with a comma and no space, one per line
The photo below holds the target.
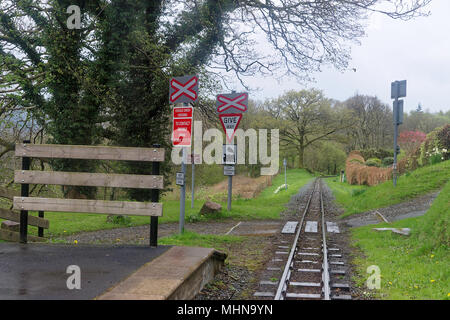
24,193
154,198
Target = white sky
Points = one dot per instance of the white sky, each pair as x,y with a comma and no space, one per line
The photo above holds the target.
416,50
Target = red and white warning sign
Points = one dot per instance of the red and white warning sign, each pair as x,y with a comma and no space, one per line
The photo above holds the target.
230,122
183,112
232,103
182,126
183,89
182,132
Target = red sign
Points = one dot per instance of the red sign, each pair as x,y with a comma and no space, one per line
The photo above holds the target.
185,112
230,122
183,89
181,135
224,102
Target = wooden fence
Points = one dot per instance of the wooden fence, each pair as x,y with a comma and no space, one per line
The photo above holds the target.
24,203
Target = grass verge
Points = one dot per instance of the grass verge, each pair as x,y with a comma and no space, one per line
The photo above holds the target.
357,199
414,267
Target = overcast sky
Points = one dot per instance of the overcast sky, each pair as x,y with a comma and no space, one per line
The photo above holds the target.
417,51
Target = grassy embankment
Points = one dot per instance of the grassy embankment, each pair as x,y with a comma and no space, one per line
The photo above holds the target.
357,199
266,205
414,267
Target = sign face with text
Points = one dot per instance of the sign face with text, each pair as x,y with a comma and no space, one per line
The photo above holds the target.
183,89
182,126
184,112
229,154
179,180
182,132
229,170
230,122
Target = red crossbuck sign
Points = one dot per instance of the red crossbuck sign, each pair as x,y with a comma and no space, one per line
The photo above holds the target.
224,103
183,89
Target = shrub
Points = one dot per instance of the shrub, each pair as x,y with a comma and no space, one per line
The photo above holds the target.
388,161
376,153
435,147
410,140
359,173
357,161
373,162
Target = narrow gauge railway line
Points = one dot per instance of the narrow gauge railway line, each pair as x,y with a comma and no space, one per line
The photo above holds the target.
312,268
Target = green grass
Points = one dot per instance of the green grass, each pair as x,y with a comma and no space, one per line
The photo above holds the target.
266,205
414,267
410,185
193,239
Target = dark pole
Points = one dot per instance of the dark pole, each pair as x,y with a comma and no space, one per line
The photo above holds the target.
40,229
24,193
154,198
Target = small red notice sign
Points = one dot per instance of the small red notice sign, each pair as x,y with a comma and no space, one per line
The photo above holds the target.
184,112
181,135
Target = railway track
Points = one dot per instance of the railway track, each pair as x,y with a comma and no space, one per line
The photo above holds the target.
310,261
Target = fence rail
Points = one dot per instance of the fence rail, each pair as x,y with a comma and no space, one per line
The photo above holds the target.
89,152
88,206
24,203
89,179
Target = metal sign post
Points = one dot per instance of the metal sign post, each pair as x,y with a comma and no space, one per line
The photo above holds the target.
183,191
398,90
193,182
194,159
230,108
229,161
285,177
183,90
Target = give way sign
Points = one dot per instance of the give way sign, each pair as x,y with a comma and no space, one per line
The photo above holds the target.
183,89
230,122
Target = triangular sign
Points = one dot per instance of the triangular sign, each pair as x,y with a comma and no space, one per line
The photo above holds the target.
230,122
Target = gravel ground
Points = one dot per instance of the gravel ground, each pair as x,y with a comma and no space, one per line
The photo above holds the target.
412,208
141,234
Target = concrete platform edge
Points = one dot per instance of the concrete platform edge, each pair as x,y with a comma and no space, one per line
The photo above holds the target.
178,274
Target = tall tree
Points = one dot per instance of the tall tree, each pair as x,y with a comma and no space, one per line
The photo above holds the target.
372,123
308,118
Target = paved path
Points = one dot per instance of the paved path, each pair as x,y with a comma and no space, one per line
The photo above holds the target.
38,271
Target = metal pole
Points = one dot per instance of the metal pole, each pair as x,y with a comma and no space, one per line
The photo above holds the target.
24,193
183,191
395,155
285,177
230,190
154,198
193,181
394,171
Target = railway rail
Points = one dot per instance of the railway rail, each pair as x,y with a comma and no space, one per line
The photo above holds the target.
312,267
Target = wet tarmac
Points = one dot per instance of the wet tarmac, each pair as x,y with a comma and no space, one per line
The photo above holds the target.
38,271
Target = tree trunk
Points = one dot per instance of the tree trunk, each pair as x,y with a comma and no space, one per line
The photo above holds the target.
301,152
